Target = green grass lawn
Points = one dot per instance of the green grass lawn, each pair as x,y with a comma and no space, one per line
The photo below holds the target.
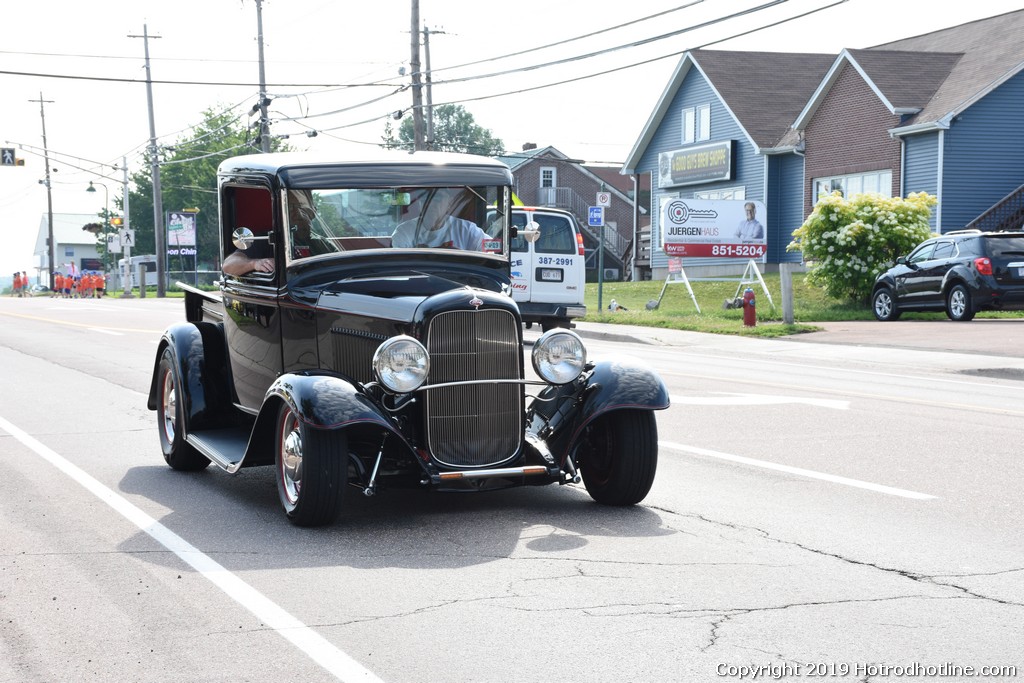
677,310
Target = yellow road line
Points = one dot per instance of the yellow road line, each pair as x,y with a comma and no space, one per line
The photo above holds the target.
71,324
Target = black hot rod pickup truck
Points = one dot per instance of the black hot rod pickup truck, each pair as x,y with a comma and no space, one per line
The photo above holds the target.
364,336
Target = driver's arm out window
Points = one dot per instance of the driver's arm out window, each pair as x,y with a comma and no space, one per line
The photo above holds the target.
249,207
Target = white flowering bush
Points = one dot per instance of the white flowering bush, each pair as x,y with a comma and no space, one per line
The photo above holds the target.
847,242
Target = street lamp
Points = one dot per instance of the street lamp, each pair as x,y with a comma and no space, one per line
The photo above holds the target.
106,219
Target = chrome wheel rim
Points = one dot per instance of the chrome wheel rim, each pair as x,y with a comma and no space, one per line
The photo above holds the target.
169,404
957,303
883,305
290,458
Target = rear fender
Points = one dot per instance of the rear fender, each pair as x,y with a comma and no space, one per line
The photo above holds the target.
200,358
613,385
322,401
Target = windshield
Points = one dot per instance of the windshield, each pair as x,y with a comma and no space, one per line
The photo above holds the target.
323,221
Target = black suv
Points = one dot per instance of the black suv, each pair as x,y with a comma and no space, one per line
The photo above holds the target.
963,272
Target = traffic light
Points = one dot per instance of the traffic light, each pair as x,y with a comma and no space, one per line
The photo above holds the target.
117,221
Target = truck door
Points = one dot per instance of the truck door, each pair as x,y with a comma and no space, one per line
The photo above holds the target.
252,317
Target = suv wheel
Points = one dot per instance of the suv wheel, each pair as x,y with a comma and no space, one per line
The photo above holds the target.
958,304
883,305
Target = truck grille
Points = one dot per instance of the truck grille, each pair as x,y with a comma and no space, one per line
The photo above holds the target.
476,425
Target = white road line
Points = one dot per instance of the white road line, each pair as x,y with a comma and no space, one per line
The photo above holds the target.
879,488
110,332
757,400
318,648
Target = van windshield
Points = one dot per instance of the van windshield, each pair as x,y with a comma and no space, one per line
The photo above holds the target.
328,220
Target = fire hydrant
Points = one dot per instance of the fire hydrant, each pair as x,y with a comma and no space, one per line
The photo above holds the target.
749,308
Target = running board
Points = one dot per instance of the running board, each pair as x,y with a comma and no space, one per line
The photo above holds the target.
223,447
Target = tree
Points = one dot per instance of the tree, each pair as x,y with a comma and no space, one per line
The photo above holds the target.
188,179
455,130
848,242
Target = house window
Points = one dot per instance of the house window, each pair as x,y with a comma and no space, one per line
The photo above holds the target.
696,123
547,195
724,193
69,251
548,177
878,182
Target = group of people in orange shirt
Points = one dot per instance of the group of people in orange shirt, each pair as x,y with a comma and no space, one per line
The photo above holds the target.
21,284
87,285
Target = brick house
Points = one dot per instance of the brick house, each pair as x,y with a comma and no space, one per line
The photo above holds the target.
547,177
938,113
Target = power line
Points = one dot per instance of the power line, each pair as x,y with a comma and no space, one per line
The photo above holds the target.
570,40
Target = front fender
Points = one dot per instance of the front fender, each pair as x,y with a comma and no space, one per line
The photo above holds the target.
560,413
200,359
322,401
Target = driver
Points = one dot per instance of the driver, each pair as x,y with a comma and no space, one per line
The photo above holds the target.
437,227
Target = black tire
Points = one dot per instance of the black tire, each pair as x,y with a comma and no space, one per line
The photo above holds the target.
170,417
312,469
618,457
883,305
959,306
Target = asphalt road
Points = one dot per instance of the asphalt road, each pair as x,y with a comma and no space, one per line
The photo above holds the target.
817,505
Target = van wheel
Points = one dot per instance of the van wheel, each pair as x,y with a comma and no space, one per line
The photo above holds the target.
552,324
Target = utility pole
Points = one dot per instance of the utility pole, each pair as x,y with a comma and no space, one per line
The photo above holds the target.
126,278
430,94
158,204
49,195
264,121
417,88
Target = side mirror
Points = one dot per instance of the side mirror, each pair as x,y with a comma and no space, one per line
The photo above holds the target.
243,238
531,233
901,260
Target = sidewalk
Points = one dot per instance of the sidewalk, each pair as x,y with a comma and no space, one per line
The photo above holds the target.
1003,337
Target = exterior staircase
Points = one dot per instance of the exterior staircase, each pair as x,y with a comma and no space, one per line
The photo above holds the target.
615,245
1006,214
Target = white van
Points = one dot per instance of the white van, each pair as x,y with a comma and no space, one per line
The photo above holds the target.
548,269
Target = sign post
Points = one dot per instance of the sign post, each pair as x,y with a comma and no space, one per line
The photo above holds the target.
595,219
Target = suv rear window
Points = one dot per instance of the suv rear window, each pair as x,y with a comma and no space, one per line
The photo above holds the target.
1004,246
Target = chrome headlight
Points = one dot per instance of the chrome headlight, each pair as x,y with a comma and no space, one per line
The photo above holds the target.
401,364
559,356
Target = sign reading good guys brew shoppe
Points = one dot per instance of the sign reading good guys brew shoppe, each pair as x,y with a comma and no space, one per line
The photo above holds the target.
697,164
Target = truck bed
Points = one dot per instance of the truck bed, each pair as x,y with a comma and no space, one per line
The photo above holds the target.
202,306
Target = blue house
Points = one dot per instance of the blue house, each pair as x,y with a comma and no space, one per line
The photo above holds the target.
939,113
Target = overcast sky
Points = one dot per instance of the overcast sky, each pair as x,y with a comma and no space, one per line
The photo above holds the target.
333,66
